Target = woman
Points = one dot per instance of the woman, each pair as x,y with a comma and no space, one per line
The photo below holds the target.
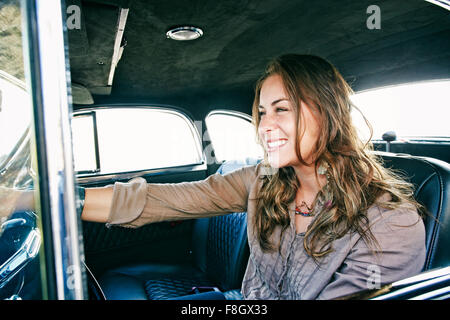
325,219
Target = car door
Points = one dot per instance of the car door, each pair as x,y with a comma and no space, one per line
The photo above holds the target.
40,249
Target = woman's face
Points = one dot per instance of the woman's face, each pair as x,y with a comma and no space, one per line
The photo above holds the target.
278,124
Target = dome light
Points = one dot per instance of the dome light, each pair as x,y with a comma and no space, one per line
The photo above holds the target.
184,33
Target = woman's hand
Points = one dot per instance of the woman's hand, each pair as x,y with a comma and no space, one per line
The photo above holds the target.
97,204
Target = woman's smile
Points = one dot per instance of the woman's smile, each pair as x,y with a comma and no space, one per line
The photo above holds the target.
274,145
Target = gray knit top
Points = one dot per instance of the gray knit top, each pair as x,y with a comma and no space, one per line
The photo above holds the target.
289,273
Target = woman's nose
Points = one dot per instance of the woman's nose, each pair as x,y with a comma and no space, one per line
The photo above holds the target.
268,123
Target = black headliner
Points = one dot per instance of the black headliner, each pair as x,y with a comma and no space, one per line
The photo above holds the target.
240,37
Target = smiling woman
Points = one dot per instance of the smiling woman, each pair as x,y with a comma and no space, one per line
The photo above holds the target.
311,212
322,135
352,201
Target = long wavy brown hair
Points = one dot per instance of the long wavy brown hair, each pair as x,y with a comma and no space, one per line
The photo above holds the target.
356,177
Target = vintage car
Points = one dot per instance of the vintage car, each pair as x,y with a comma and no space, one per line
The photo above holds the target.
94,92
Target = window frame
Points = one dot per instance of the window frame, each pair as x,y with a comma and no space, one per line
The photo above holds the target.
226,112
93,116
238,114
92,177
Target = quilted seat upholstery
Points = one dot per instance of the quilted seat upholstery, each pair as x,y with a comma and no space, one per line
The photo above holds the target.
220,251
167,288
151,281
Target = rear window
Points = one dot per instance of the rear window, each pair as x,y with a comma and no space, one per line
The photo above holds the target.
232,136
114,140
418,110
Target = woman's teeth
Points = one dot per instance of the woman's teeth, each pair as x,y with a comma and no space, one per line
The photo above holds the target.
275,144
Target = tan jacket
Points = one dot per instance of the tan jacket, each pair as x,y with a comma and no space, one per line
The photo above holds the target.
290,273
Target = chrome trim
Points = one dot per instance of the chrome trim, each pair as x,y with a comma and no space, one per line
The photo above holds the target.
56,131
438,294
118,49
411,288
431,274
27,252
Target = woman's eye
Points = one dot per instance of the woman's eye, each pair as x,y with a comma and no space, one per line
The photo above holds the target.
281,109
261,113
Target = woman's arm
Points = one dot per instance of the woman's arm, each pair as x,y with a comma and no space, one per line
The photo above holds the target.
401,253
137,203
97,204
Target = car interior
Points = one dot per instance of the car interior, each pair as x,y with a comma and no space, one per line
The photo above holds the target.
218,71
121,55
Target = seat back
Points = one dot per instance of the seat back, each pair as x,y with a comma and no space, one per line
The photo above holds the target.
227,250
431,179
220,243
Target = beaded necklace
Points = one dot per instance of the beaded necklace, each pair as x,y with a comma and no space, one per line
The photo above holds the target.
306,211
300,210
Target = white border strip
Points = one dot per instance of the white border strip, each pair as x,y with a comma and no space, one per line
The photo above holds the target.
58,142
117,54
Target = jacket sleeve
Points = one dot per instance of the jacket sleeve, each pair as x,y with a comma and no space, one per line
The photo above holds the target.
137,202
400,254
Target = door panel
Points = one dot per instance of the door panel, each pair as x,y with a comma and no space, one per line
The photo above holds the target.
164,242
438,150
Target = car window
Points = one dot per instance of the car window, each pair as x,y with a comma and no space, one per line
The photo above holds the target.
21,236
14,104
131,139
232,136
416,110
